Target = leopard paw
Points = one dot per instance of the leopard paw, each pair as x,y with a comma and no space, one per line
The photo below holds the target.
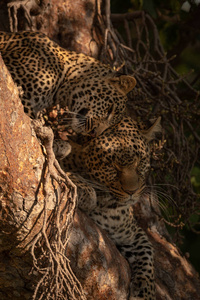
61,149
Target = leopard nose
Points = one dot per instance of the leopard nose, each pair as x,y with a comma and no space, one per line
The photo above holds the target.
131,192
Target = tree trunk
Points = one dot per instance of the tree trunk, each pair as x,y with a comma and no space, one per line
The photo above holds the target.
23,200
30,201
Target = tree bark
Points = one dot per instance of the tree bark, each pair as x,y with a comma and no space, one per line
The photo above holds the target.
94,259
22,180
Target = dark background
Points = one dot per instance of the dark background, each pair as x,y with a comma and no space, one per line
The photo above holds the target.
178,23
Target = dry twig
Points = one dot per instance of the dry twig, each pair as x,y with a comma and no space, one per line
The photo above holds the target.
159,91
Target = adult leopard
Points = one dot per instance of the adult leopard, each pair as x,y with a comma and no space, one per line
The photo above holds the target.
49,75
117,163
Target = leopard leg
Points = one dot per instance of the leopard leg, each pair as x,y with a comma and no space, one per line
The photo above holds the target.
87,199
139,254
61,149
134,246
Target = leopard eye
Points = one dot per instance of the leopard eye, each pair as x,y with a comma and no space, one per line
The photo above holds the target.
82,112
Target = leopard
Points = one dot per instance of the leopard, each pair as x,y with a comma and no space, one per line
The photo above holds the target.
93,93
117,220
115,166
119,158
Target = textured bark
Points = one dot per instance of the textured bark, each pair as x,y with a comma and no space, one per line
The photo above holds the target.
176,278
21,162
96,261
100,268
68,22
98,265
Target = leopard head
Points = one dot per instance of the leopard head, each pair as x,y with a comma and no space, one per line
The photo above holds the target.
99,103
119,158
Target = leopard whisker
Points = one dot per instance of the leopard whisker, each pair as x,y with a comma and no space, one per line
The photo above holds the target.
167,197
98,186
76,114
161,205
66,119
165,184
80,124
94,184
76,122
159,191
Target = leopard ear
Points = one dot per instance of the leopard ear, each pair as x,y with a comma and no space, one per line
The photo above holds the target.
149,134
123,83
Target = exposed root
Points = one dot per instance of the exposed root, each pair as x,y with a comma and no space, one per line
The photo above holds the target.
49,245
26,6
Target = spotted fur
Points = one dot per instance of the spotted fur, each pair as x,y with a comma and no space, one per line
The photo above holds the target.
118,159
50,75
118,221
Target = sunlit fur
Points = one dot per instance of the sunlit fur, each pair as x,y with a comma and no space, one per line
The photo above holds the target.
115,165
50,75
119,159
